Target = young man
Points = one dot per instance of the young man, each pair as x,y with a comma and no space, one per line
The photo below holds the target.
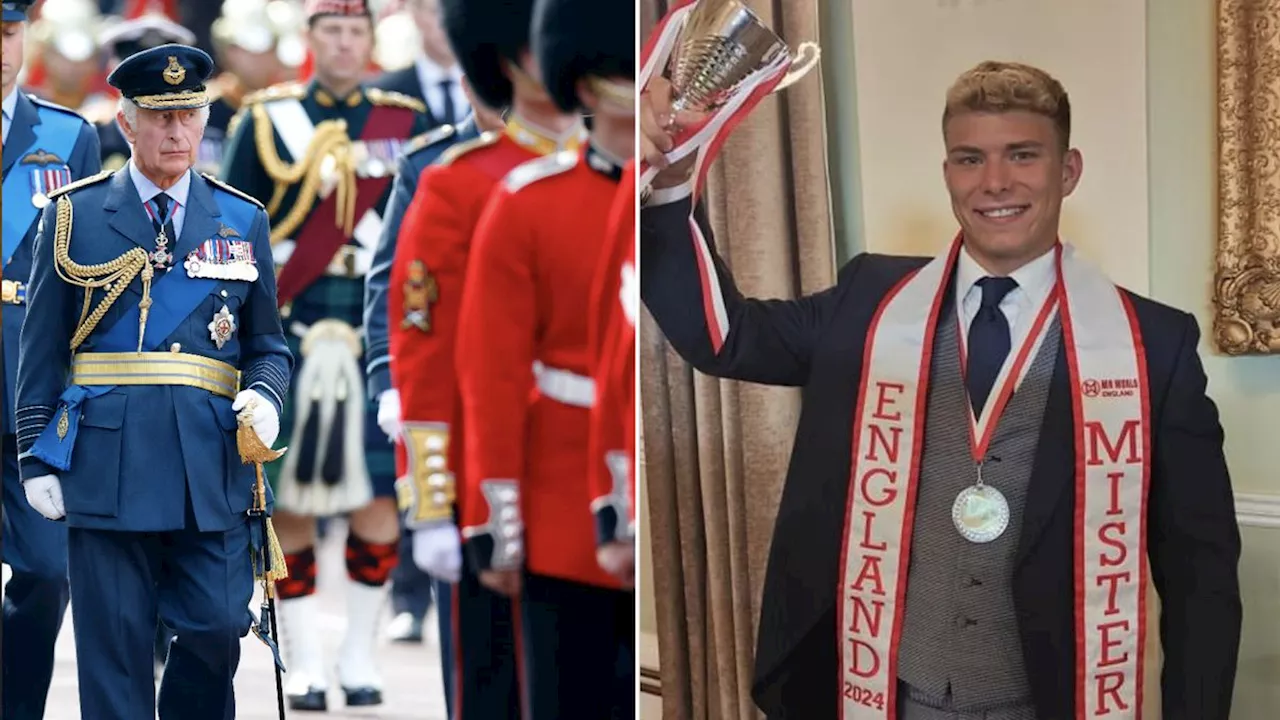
523,327
128,414
424,301
990,443
45,146
321,157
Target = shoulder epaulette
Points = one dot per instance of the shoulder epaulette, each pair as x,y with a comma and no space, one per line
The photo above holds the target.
294,90
53,106
429,138
82,182
541,168
484,140
394,99
234,191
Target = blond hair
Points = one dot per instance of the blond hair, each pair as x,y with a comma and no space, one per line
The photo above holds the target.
995,86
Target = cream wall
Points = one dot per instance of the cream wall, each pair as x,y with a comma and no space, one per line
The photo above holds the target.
907,52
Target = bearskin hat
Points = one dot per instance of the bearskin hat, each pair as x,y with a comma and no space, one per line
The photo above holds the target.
573,39
483,33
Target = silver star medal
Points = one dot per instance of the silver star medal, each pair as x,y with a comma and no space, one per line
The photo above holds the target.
221,327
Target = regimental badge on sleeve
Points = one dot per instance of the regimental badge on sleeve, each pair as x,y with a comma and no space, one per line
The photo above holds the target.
420,291
48,173
223,257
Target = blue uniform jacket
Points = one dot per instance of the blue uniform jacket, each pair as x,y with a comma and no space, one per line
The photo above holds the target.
424,151
84,161
141,450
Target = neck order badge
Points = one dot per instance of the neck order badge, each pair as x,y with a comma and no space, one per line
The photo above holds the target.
1112,473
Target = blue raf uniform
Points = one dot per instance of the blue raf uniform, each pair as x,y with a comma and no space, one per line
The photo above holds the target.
45,146
127,412
418,155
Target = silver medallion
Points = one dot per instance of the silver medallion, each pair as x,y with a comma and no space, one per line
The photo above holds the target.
40,201
980,513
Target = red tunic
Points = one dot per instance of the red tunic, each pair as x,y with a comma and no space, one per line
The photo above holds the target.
613,347
525,306
423,304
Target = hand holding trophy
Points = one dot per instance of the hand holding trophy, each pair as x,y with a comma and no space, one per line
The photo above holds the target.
707,64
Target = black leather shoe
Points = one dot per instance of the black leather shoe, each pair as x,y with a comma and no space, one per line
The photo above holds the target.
313,700
363,697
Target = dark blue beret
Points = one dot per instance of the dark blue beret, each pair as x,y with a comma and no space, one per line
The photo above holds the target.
169,77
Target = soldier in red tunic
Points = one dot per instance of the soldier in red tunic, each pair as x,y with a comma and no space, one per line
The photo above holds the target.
523,361
615,300
423,304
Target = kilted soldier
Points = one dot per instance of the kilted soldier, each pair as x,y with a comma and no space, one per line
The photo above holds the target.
522,363
45,146
321,156
151,324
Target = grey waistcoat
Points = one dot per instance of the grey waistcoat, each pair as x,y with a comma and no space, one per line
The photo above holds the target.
960,647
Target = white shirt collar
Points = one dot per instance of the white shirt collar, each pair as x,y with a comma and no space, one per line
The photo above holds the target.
1035,278
148,189
10,103
431,75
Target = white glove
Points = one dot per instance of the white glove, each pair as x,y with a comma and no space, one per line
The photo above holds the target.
266,421
389,413
437,551
44,493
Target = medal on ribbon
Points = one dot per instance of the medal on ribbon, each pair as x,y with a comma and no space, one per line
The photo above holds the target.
981,512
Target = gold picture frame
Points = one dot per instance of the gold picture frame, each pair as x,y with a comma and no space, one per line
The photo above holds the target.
1246,284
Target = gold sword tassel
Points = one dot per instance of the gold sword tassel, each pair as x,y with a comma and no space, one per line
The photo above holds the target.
252,450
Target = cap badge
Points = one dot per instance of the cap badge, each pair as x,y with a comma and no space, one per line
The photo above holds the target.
175,73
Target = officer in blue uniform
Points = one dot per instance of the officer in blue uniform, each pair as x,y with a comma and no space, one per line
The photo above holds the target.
152,327
45,146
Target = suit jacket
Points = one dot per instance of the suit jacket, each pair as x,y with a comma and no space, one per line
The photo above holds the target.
406,82
141,450
816,343
82,162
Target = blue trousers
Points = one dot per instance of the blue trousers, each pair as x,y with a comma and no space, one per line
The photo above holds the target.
35,600
199,584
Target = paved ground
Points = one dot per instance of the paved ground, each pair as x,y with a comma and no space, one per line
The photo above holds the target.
412,672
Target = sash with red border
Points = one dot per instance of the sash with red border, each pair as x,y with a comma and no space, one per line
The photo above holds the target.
320,237
1110,409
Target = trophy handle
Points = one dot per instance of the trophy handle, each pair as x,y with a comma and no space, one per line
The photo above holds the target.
798,68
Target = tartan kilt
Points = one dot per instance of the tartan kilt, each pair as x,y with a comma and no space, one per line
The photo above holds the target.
339,299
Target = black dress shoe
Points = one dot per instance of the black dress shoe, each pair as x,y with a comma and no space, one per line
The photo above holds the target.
313,700
363,697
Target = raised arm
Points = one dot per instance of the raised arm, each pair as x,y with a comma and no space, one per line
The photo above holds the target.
692,296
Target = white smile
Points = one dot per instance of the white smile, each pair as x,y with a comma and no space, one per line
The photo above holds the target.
1000,213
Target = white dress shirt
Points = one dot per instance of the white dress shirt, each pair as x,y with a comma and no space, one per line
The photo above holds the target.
9,106
430,75
178,194
1035,281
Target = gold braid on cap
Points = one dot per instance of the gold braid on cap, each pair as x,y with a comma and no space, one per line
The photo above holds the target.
181,100
114,275
329,149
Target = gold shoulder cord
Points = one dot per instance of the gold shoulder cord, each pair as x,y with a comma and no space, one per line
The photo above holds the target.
331,147
117,274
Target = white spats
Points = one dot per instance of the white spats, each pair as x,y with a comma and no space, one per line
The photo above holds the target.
356,666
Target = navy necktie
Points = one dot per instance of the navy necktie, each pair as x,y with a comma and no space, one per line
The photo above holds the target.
446,90
989,340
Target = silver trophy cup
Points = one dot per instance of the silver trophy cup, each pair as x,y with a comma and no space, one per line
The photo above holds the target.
721,45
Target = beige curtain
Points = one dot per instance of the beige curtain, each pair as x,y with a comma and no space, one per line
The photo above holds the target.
1247,284
715,452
